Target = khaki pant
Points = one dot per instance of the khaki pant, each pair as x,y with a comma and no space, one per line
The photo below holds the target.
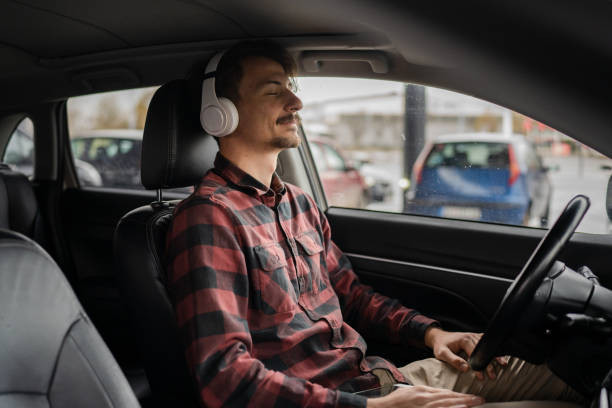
527,384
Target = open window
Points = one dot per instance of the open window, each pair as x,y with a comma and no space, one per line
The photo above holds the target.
407,148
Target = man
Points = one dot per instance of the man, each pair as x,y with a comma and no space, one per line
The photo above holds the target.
266,301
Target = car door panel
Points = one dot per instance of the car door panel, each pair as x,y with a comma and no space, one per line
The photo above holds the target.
449,306
455,271
446,293
89,217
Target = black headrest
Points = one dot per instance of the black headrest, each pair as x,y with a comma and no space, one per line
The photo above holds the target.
176,152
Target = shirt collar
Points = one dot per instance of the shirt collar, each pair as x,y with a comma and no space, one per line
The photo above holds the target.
235,175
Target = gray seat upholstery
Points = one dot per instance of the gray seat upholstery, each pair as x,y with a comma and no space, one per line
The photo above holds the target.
50,353
175,153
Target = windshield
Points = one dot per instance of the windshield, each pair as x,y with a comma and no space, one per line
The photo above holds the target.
469,154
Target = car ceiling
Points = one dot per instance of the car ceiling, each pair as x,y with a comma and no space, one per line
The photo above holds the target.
549,59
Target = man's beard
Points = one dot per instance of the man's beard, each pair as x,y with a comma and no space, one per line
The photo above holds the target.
286,142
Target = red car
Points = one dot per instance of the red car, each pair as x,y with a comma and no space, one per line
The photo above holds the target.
343,184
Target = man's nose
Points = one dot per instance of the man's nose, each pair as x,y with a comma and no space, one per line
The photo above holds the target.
294,103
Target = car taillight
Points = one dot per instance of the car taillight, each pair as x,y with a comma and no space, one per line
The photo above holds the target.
515,171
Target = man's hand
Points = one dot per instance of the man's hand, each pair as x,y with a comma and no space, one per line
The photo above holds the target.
423,396
446,346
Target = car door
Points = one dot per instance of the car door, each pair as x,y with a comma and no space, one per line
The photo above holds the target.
453,270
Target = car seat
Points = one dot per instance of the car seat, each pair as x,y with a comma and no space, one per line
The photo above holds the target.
175,153
50,353
19,209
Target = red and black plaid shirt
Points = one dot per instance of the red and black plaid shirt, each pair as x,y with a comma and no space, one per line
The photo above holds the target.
264,298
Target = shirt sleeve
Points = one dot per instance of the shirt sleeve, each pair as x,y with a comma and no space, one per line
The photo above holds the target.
370,312
209,282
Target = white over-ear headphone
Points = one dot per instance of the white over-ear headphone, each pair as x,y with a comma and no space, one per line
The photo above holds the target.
218,116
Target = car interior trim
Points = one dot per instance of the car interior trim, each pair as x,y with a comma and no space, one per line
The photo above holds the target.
427,267
313,60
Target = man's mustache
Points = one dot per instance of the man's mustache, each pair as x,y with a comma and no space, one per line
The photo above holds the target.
288,118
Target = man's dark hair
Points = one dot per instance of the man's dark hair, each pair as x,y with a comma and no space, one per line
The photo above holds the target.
230,70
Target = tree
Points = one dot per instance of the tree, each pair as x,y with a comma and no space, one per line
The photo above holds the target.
109,115
141,108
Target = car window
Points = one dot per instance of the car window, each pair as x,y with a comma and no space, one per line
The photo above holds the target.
432,152
106,138
19,152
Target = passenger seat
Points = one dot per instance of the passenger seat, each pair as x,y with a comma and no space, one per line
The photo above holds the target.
50,353
19,211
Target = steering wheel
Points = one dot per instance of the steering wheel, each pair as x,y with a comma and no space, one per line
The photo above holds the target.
521,292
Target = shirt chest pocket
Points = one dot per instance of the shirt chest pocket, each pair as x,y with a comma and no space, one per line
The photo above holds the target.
274,291
312,275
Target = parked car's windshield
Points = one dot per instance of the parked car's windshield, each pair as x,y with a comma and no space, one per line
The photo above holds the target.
469,154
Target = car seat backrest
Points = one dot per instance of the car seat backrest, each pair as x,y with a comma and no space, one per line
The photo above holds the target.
4,205
176,153
50,353
19,210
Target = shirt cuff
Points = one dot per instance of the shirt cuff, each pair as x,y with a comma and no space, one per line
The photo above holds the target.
414,332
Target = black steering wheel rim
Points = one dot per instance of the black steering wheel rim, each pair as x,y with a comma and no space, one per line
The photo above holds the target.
522,290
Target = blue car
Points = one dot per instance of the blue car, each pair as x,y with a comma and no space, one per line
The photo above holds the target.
480,176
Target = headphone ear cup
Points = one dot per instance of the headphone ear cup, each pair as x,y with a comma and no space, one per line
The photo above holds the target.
231,116
213,120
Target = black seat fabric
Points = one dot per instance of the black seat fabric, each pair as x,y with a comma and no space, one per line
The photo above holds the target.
176,153
50,353
19,209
